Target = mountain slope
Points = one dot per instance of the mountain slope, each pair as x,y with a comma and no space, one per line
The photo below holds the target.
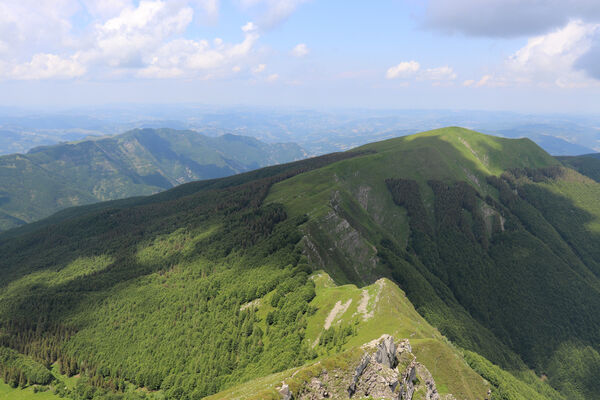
587,164
198,289
431,210
139,162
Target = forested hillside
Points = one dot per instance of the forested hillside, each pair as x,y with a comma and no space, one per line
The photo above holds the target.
479,252
588,165
139,162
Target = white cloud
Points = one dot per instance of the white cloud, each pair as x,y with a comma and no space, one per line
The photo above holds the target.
154,71
403,70
125,40
565,58
144,40
272,78
412,69
272,12
27,26
439,74
481,82
300,50
187,57
553,59
46,66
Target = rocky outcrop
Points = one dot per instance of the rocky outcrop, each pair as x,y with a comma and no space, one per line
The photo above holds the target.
386,370
284,392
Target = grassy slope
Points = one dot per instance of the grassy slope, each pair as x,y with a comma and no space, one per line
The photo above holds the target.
8,393
388,311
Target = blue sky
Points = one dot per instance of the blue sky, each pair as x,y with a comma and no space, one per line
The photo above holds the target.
522,55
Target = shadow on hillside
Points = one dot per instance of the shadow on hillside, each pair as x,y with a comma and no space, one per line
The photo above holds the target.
118,230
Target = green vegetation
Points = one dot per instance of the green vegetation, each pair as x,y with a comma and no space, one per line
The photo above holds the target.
94,293
19,370
31,393
509,276
588,165
506,386
211,286
139,162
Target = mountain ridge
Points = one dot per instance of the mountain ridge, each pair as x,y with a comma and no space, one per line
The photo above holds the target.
492,241
138,162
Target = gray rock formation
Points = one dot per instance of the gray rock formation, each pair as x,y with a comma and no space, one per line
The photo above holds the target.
386,370
285,392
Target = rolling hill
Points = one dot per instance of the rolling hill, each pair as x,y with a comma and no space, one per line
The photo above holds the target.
138,162
477,256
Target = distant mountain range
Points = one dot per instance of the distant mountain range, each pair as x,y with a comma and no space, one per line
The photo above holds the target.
138,162
318,132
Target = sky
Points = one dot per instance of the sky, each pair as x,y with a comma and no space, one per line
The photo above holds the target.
517,55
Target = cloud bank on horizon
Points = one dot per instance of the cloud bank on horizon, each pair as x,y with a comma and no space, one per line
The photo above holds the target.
291,43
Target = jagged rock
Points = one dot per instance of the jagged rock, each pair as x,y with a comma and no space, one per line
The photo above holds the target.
360,368
285,392
386,352
387,370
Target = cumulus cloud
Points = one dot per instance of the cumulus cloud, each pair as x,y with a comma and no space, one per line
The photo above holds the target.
444,73
412,69
566,57
507,18
272,12
187,57
481,82
403,70
556,58
45,66
272,77
22,29
125,40
300,50
146,39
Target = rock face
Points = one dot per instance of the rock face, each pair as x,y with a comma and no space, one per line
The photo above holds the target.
387,370
285,392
